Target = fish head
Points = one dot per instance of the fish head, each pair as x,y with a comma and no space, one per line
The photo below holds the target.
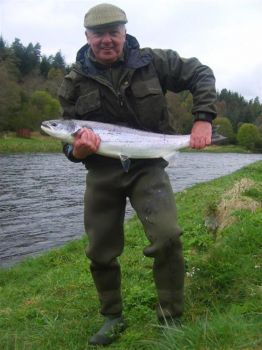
64,130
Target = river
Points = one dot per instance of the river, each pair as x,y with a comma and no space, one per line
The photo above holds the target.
41,196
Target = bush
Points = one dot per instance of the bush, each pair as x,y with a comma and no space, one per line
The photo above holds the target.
40,106
225,128
46,104
248,135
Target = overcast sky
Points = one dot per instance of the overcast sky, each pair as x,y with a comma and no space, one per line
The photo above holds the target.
223,34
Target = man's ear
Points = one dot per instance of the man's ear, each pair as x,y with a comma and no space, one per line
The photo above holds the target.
87,36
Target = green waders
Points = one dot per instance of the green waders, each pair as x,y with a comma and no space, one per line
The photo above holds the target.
148,187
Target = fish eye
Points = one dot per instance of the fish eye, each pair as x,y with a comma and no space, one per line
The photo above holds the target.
54,124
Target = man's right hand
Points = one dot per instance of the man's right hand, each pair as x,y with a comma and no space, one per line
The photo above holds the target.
86,142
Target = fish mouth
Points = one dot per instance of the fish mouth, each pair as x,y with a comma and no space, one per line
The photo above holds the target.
45,125
48,125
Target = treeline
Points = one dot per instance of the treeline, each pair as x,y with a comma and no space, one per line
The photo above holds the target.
28,85
239,120
29,82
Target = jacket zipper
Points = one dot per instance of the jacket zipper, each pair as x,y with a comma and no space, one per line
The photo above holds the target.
120,99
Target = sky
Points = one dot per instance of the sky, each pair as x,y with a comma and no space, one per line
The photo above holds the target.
226,35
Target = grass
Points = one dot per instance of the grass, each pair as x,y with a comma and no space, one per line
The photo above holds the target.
37,143
220,149
50,302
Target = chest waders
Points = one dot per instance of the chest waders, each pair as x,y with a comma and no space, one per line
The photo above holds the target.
148,187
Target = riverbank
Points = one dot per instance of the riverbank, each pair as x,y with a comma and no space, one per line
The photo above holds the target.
219,149
39,143
50,302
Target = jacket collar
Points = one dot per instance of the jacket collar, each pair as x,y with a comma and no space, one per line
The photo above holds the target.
133,57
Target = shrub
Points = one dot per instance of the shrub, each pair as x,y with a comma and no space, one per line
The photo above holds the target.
248,135
225,128
46,104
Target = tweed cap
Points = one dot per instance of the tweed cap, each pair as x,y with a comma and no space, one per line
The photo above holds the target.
104,14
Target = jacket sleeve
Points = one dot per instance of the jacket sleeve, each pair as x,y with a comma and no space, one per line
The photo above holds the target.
177,74
67,98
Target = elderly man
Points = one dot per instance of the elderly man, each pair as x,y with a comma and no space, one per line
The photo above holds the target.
115,81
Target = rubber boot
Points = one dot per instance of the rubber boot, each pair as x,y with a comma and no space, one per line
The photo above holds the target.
109,331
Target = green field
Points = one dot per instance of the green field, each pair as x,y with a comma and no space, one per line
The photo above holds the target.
49,303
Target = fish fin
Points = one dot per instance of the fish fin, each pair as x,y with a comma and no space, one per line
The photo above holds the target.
170,158
76,131
125,162
217,139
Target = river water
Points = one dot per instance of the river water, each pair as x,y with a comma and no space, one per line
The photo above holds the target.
41,196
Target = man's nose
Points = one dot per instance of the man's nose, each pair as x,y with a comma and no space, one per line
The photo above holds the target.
106,38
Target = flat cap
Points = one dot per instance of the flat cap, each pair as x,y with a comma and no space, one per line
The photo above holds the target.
104,14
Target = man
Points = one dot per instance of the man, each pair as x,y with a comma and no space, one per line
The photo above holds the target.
115,81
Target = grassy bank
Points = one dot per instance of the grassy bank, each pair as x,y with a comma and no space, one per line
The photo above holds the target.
50,302
220,149
37,143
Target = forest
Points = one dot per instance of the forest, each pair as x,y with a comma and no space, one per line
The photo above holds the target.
29,81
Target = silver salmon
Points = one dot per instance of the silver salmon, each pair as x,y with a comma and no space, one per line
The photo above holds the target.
119,141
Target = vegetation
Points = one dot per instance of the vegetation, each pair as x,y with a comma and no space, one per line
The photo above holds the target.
36,143
50,302
219,149
237,109
249,136
225,128
29,82
28,85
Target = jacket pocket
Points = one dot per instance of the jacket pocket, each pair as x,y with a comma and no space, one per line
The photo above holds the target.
87,103
150,103
142,89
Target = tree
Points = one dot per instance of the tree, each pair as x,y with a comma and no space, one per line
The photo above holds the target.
3,49
180,106
236,108
221,108
55,73
10,98
249,136
28,85
38,107
47,105
225,128
32,56
59,61
8,59
258,122
45,66
28,58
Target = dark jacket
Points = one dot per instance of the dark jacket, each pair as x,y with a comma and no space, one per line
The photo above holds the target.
138,99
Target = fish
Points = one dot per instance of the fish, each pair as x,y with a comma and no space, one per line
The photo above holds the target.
118,141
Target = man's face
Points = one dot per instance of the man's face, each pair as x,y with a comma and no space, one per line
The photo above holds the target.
107,43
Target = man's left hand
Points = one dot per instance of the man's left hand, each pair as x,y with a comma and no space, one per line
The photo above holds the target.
201,134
